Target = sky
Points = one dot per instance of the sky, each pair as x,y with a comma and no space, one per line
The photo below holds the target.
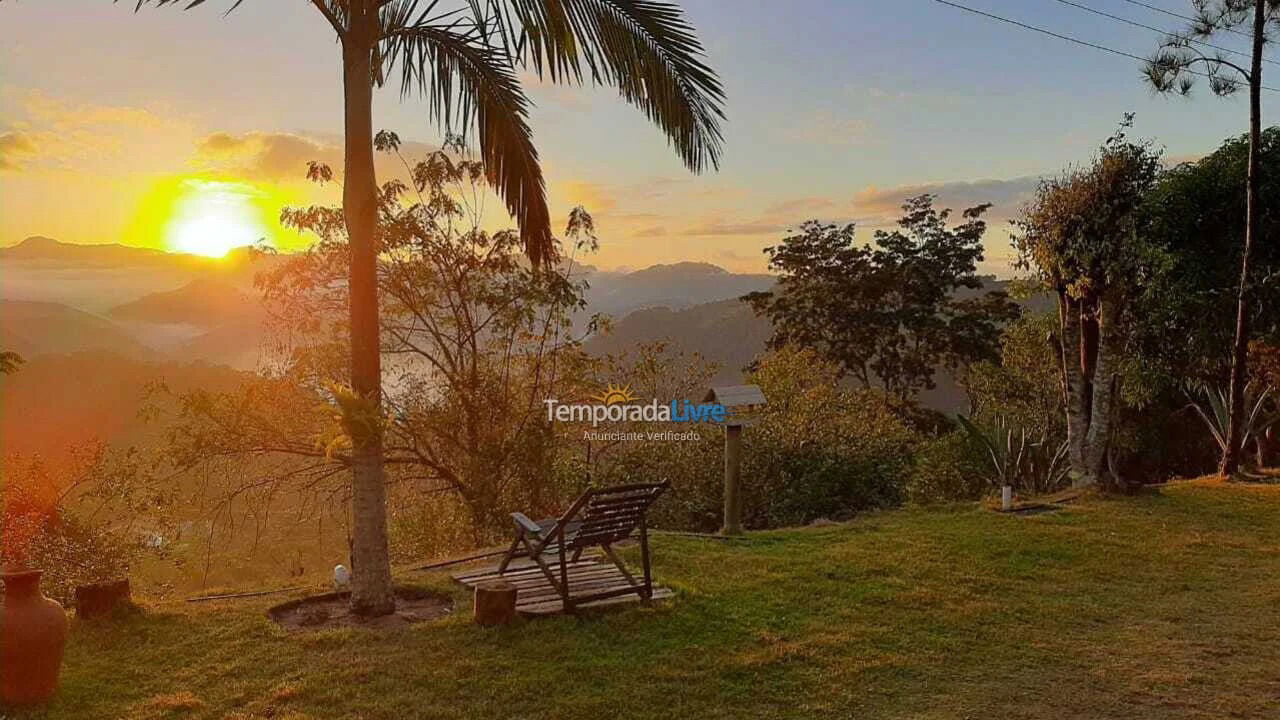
136,128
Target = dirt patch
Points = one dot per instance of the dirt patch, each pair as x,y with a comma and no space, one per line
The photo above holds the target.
332,610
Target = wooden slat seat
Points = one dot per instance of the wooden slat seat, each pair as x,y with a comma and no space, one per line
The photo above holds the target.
599,518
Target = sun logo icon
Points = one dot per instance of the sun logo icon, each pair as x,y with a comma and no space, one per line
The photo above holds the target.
614,395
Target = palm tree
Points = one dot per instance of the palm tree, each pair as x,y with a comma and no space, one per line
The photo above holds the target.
464,62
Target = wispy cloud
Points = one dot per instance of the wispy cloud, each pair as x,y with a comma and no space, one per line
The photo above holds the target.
881,205
73,135
827,128
265,155
732,228
651,232
16,148
283,156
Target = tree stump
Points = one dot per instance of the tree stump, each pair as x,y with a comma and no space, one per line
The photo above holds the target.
495,603
100,599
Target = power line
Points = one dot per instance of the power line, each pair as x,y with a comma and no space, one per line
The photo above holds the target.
1180,16
1134,23
1068,38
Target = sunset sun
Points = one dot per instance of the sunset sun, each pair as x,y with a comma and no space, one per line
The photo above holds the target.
212,217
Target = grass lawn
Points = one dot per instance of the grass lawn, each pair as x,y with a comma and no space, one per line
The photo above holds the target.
1160,606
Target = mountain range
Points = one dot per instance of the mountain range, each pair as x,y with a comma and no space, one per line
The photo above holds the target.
59,298
108,317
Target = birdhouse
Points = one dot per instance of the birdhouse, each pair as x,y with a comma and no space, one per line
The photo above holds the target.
740,400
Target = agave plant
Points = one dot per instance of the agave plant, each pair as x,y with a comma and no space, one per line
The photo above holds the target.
1016,460
1005,447
1213,407
1049,467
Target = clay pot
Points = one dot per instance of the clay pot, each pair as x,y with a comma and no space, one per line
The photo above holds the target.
33,633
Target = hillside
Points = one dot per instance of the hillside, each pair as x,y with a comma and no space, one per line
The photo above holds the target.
729,333
32,329
676,285
54,252
1159,606
191,308
726,332
56,402
205,301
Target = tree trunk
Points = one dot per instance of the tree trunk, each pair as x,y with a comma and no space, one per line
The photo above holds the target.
1098,440
1239,352
495,603
1077,413
371,592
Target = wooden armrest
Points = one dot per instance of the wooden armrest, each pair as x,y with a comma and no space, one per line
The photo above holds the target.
523,522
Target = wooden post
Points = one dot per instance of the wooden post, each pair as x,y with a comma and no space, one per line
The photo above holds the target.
495,603
732,480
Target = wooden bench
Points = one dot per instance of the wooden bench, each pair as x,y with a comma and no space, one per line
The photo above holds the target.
599,518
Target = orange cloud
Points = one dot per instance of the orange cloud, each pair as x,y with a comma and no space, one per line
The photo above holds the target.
879,205
596,198
265,156
78,136
747,228
15,149
283,156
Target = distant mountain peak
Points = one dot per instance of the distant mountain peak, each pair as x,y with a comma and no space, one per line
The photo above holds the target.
39,241
41,247
683,269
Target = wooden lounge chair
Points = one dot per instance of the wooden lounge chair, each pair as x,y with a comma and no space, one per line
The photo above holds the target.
599,518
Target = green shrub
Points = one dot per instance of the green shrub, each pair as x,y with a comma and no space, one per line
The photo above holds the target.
41,532
818,450
950,468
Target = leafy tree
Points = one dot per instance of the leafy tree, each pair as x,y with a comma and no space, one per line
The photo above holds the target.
891,312
1193,218
1264,367
1081,236
465,62
9,362
475,338
1025,387
819,449
82,520
1173,69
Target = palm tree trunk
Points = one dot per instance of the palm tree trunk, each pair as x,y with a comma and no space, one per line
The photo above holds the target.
1239,351
371,592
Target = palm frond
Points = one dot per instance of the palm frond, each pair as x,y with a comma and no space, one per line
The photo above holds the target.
10,362
188,4
467,82
648,50
334,11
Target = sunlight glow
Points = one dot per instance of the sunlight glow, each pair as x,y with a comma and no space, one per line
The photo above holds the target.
212,217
